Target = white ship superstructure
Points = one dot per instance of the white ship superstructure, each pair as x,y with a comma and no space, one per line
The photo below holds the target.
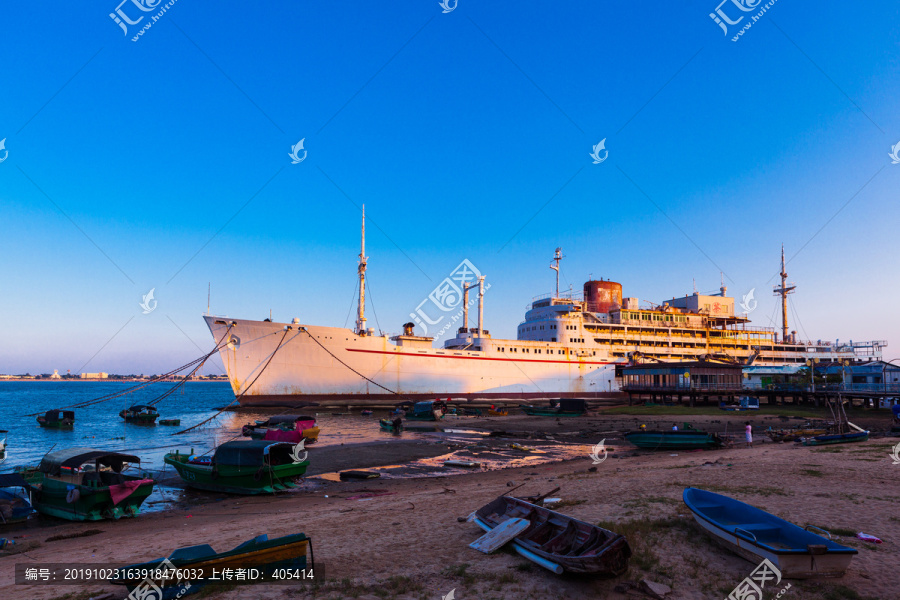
567,346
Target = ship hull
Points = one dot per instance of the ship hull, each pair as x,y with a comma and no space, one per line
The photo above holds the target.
307,365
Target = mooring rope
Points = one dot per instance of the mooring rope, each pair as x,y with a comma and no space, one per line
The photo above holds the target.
247,389
152,380
312,337
181,383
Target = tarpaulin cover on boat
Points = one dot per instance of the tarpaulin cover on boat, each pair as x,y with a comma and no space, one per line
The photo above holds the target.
12,480
572,405
289,419
71,458
246,452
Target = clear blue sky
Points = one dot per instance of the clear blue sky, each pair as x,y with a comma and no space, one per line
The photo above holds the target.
163,163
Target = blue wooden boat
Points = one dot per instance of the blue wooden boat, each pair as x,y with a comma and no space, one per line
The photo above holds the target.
755,534
394,426
685,439
15,507
836,438
429,410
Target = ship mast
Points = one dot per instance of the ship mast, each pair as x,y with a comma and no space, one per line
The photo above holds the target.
361,307
783,291
557,257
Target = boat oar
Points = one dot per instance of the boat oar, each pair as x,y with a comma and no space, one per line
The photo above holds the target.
541,498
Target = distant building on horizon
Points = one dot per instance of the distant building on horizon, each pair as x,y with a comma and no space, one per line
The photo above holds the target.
94,375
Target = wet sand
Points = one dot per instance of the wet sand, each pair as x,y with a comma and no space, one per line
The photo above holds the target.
400,537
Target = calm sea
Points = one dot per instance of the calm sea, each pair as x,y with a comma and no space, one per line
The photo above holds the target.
100,426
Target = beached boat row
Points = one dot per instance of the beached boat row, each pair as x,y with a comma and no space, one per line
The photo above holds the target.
563,544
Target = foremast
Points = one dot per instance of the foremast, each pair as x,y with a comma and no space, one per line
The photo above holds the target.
361,270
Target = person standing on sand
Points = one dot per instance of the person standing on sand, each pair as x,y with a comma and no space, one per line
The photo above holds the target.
749,432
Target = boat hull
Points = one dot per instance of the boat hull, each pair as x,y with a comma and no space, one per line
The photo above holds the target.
755,535
845,438
323,364
92,503
291,552
673,440
548,412
236,480
556,541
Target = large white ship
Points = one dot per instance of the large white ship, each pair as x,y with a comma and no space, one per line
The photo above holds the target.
569,345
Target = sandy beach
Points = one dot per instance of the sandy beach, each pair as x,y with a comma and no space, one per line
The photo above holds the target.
402,538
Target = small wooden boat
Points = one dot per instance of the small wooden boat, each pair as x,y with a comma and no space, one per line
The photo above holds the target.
290,555
170,421
142,414
686,439
492,412
836,438
562,407
84,484
57,419
556,541
792,435
349,475
394,426
755,535
366,413
428,410
468,464
284,428
14,506
241,467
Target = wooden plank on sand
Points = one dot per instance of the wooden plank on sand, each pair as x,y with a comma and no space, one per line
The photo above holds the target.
500,535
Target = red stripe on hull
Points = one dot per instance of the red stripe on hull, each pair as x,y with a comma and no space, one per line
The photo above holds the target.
521,360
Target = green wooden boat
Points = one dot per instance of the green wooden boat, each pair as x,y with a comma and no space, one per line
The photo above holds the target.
243,467
141,414
562,407
687,439
395,426
57,419
84,484
277,560
170,421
